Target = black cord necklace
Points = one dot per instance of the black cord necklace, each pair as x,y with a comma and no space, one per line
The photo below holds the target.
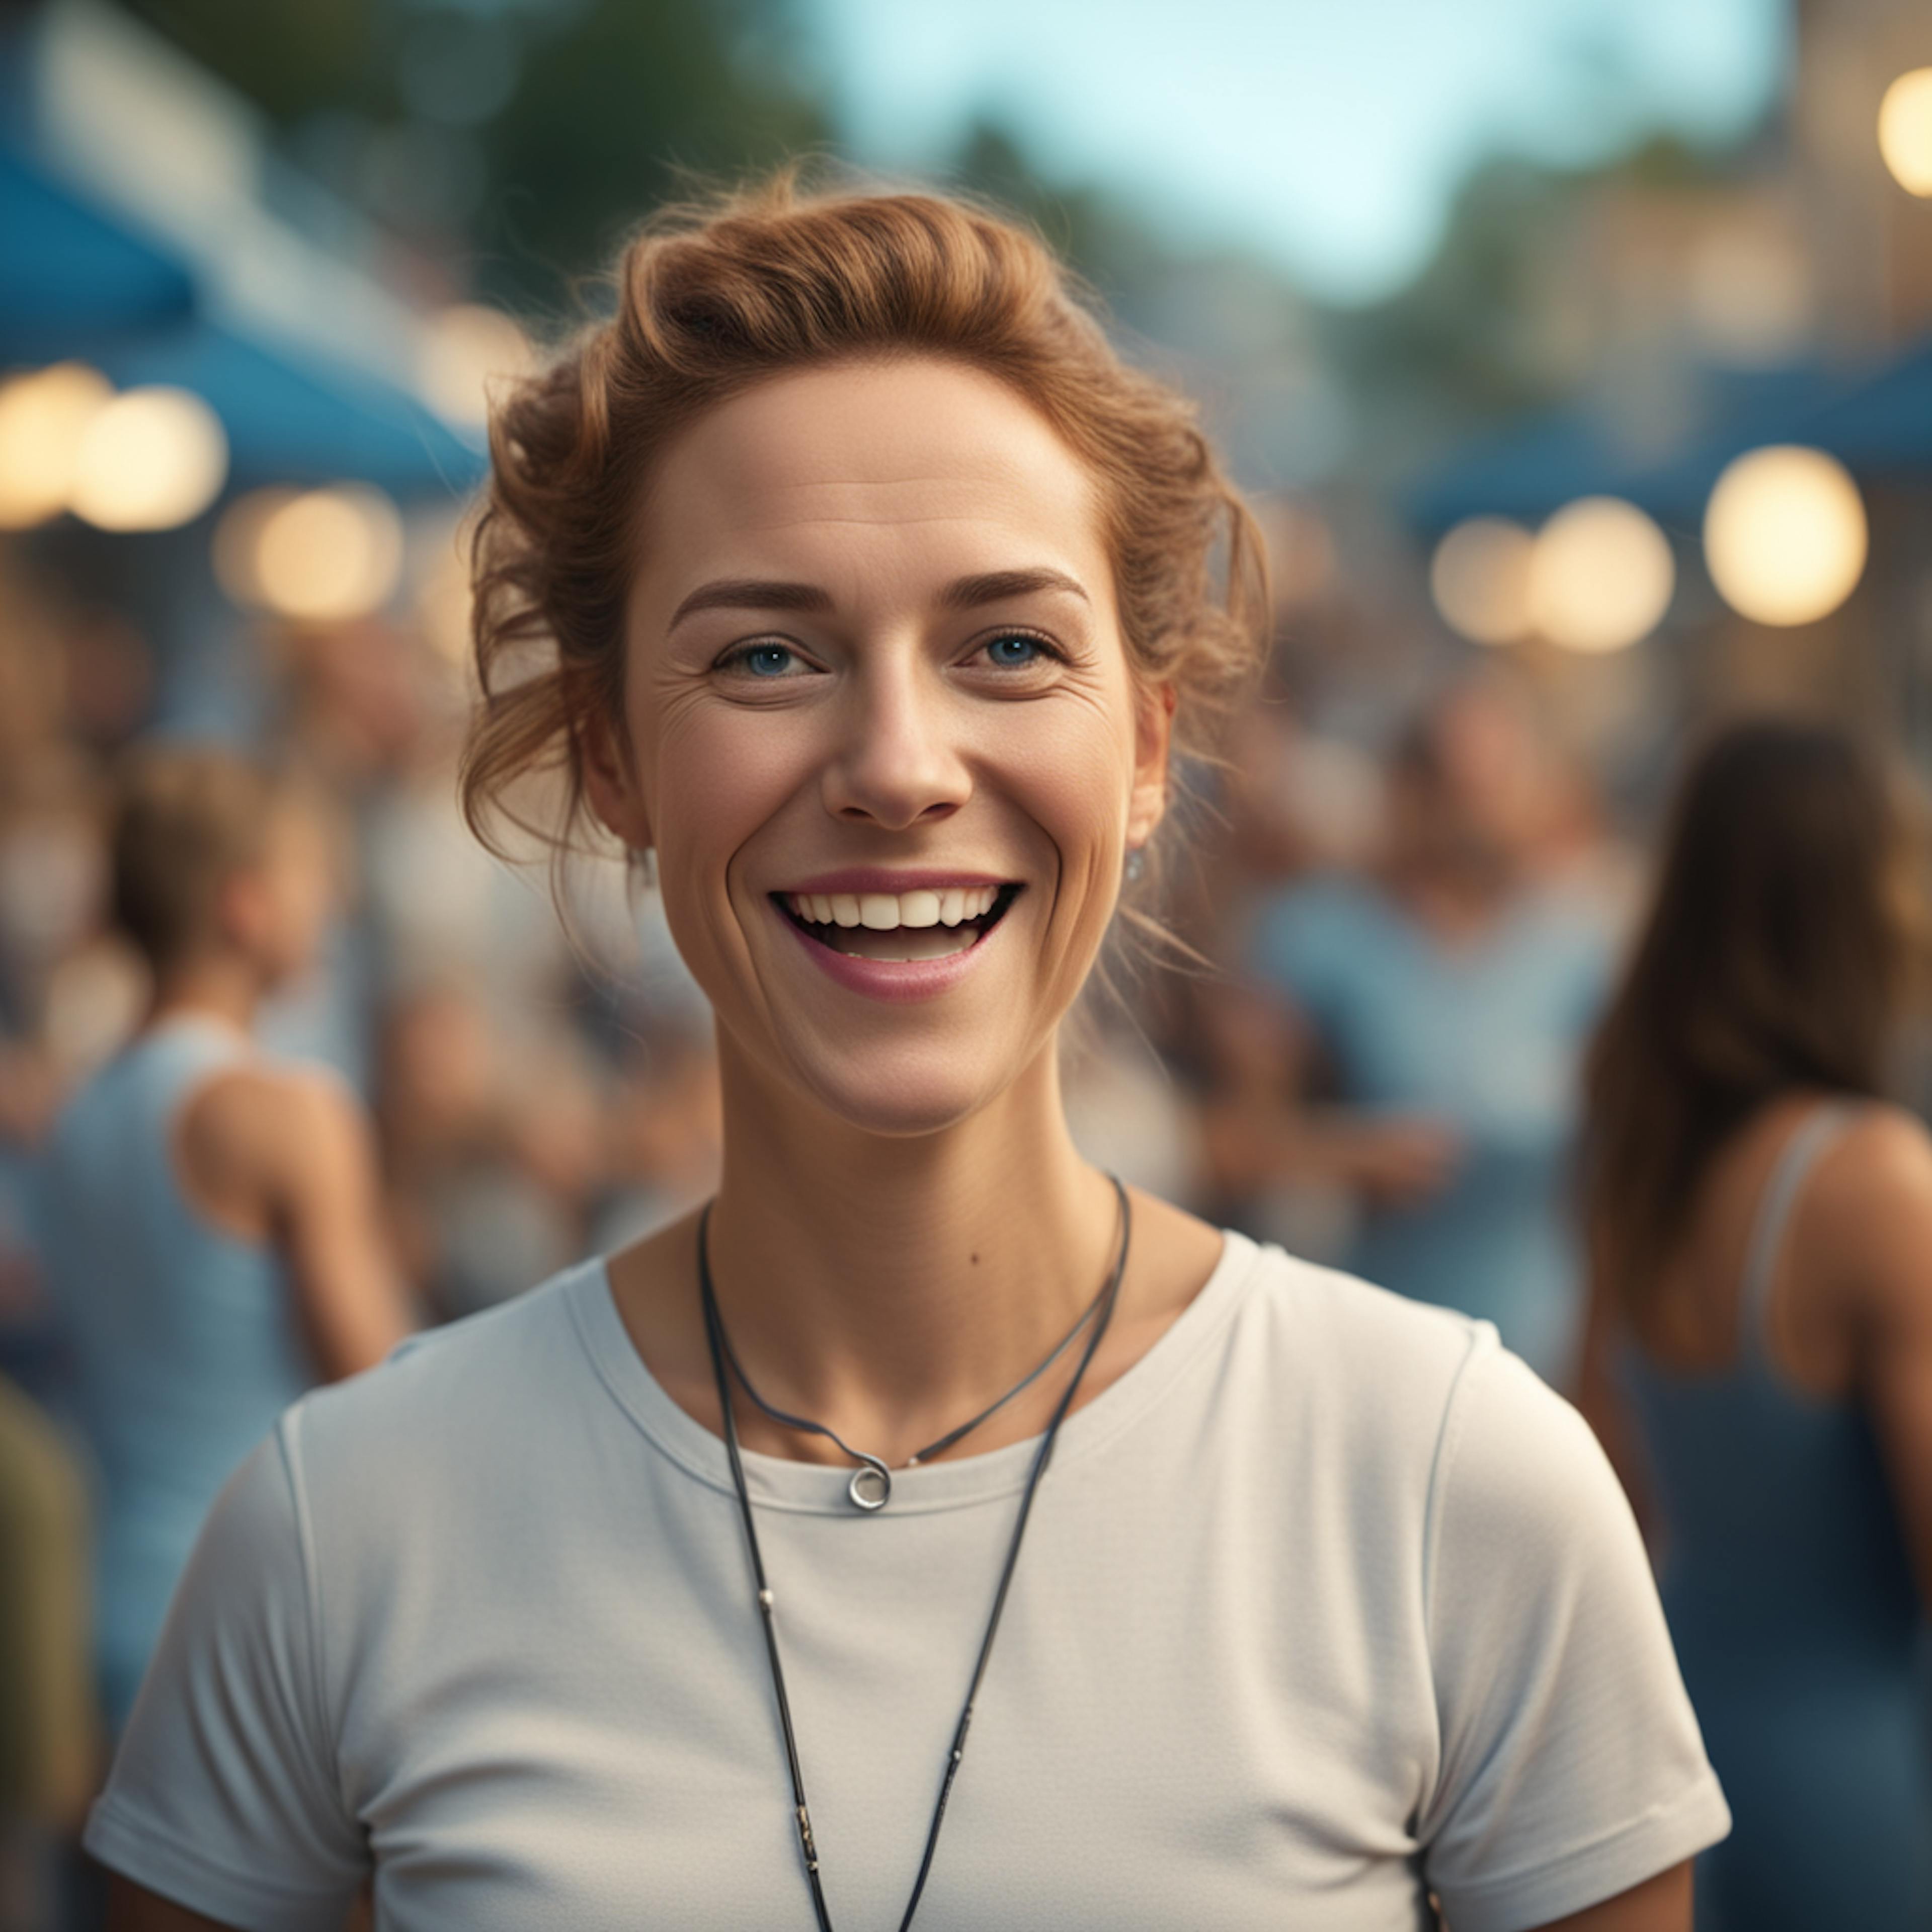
714,1330
871,1487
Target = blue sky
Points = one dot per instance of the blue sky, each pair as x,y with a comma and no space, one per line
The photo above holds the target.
1329,133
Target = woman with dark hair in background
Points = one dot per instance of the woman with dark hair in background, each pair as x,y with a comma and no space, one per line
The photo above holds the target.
1760,1232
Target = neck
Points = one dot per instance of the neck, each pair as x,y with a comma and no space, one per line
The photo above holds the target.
211,985
890,1286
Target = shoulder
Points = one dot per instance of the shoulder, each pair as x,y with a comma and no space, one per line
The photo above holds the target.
1869,1205
1424,1399
1307,922
1368,1377
269,1114
1323,898
1882,1156
448,1397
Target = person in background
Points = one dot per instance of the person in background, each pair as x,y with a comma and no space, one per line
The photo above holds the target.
49,1744
1443,999
212,1234
1759,1227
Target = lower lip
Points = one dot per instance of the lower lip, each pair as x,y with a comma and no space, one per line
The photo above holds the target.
898,980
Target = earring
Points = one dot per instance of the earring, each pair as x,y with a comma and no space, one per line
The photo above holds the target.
646,860
1135,865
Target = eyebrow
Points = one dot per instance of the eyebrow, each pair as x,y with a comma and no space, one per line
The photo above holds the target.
965,593
751,593
997,586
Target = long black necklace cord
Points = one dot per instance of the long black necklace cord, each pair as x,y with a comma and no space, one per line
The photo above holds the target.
714,1330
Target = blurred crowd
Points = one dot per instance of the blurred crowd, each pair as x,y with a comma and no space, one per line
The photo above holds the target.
1359,1029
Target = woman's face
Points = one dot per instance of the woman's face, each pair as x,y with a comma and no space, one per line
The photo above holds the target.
880,728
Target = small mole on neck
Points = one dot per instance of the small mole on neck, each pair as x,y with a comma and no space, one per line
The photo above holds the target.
974,1259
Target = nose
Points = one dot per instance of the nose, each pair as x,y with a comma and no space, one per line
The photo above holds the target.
896,764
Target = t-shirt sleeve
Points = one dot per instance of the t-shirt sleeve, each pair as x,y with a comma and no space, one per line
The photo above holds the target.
224,1796
1572,1768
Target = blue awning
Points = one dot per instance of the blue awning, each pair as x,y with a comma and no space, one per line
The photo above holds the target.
75,275
1530,471
294,416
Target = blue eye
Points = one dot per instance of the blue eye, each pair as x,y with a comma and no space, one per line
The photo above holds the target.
765,660
1014,651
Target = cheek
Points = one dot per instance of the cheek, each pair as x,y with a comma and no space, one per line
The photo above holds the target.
1071,767
715,778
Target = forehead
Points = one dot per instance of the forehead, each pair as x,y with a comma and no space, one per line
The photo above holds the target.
899,462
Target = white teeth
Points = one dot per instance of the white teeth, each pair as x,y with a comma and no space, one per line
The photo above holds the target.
885,912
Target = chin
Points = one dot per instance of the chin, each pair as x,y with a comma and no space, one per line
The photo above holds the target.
902,1094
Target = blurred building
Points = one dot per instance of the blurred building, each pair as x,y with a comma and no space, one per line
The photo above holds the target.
1699,318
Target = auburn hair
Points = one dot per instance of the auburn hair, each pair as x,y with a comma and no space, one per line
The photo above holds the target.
715,297
1780,942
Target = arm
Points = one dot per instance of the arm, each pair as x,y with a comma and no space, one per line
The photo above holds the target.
284,1155
326,1214
134,1908
1573,1779
1262,1129
1660,1904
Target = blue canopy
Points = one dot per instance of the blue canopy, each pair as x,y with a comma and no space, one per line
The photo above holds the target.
1533,470
294,416
74,274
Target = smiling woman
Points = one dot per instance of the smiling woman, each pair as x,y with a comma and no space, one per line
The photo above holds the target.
846,571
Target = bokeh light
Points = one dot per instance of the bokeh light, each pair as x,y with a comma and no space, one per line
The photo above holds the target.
1785,534
151,460
1479,579
1601,576
1905,130
470,348
316,556
438,578
43,417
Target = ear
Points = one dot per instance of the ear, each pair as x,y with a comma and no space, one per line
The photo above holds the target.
1154,735
610,780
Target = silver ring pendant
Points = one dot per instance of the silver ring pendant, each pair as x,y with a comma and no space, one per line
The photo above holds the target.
871,1487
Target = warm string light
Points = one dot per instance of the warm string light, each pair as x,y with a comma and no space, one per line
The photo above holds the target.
468,350
314,556
1598,577
1905,130
150,459
1785,536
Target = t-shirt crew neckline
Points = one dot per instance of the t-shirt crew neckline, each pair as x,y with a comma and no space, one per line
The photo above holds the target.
777,1482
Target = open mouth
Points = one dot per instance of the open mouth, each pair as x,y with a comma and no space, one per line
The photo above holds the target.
899,926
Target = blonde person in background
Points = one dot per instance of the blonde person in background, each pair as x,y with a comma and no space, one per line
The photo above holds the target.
1165,1581
212,1224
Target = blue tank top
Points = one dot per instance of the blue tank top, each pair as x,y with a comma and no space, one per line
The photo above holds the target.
182,1336
1792,1602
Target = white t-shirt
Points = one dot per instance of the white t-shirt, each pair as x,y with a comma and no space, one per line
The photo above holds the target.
1327,1602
